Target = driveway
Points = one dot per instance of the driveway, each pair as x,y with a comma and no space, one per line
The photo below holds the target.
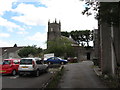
80,75
26,82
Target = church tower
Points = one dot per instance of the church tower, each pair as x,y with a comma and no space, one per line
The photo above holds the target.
54,30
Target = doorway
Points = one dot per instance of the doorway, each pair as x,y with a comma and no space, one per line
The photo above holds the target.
88,56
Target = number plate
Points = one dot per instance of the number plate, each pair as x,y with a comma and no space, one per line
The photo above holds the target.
24,67
2,71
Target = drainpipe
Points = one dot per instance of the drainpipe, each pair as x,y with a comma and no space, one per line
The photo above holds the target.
112,51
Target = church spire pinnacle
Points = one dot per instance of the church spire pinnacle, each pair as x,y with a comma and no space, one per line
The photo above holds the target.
59,22
49,21
55,20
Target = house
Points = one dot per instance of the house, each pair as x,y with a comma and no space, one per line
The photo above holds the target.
9,52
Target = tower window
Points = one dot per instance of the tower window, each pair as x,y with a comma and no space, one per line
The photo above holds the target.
51,29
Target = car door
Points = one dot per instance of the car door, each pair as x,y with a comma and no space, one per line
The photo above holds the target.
40,64
56,60
16,64
6,64
51,60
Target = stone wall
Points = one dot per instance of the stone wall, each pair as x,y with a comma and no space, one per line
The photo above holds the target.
54,31
82,53
105,39
109,46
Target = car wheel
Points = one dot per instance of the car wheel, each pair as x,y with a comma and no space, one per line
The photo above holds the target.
62,63
46,70
14,72
37,73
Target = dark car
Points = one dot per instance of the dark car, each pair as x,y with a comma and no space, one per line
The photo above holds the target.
55,60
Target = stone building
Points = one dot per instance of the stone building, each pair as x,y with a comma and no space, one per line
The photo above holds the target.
83,53
54,31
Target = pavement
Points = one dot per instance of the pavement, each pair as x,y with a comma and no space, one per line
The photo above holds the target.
81,75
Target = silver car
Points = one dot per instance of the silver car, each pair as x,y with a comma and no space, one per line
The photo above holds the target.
32,66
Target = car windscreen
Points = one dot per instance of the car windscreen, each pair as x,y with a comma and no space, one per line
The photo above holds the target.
6,62
26,61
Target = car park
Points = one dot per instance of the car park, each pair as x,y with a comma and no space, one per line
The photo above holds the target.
9,66
32,66
55,60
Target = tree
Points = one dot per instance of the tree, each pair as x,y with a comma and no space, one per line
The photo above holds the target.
91,5
60,47
29,50
66,34
82,36
15,45
104,11
78,37
109,13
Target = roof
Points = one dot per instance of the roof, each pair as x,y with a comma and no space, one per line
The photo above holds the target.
8,49
70,39
30,58
12,59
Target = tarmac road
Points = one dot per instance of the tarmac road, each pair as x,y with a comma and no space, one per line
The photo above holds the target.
80,75
25,81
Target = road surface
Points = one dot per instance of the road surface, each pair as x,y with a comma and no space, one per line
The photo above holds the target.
80,75
25,81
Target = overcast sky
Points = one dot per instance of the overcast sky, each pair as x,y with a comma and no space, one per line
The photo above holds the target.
24,22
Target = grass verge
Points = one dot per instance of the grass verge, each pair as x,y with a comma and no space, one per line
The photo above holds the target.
56,78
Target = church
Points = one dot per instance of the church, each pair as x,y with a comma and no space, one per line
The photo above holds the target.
54,31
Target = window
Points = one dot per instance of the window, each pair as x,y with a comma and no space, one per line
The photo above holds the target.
52,58
39,62
51,29
26,61
56,58
6,62
16,62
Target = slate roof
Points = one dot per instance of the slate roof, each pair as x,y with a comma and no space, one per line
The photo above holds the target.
4,50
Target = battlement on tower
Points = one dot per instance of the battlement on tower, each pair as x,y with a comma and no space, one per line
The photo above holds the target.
54,30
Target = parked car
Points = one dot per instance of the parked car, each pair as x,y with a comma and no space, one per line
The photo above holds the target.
9,66
55,60
72,59
32,66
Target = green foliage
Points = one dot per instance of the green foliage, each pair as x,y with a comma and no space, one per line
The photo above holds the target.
104,11
91,6
80,36
109,12
29,50
61,47
66,34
